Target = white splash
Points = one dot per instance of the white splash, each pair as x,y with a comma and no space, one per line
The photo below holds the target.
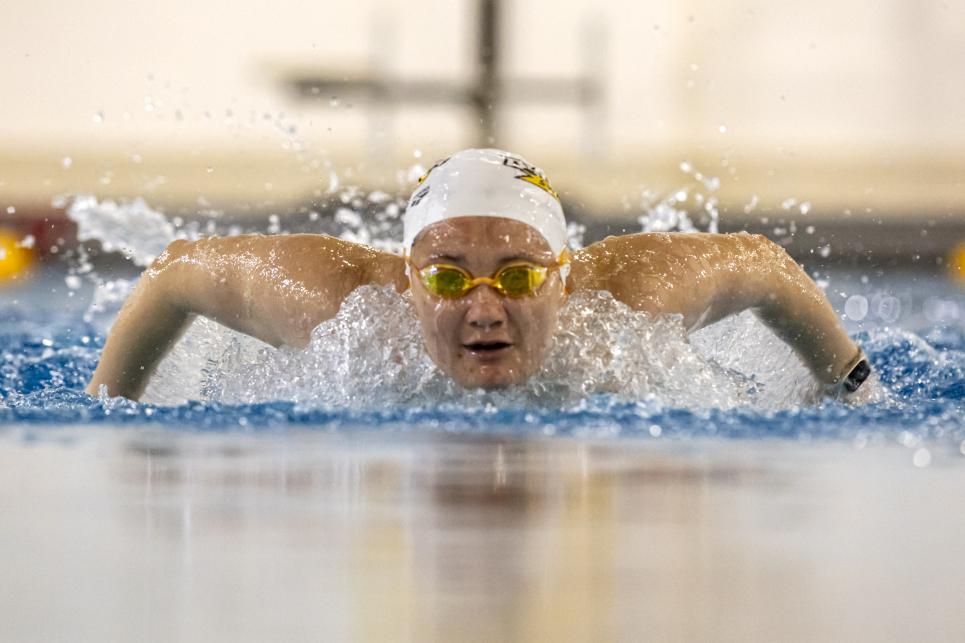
692,208
134,229
371,356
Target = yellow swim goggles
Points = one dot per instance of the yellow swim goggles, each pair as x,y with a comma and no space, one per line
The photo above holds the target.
514,280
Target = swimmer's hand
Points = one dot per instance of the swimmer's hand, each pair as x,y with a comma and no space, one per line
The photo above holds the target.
273,288
857,386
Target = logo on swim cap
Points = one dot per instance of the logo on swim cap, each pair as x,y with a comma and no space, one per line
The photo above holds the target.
420,193
530,174
429,171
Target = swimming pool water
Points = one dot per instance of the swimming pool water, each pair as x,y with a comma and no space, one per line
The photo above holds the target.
912,326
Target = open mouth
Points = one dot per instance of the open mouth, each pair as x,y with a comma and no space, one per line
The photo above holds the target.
487,347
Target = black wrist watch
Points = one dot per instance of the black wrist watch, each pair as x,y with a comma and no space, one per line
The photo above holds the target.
857,376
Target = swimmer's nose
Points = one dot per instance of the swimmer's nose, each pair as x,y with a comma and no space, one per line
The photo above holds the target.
485,308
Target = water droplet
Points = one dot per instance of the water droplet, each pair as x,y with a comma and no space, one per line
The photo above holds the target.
908,439
348,217
11,209
66,162
856,307
888,307
922,458
751,204
655,430
805,207
333,101
722,129
787,204
825,250
47,342
686,166
97,117
417,154
73,282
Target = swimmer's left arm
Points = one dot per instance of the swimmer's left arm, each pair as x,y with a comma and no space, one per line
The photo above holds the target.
755,273
707,277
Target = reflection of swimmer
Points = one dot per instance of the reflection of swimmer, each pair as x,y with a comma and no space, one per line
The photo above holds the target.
486,258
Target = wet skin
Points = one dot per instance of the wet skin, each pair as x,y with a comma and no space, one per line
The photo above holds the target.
485,339
279,288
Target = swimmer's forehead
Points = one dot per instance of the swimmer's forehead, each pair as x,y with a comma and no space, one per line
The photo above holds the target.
465,238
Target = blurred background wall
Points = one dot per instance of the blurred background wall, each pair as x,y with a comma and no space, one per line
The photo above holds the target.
853,108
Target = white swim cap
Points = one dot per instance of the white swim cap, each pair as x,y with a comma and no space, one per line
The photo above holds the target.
486,183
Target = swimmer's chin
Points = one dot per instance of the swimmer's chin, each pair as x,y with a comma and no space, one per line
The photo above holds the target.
490,379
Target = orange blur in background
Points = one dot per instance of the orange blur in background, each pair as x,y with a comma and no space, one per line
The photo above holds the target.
15,259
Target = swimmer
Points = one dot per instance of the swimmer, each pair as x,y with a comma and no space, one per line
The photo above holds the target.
486,260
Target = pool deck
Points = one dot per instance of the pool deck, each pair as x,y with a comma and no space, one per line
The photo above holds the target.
160,535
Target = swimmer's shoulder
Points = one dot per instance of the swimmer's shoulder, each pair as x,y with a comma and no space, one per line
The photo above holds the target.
306,247
304,256
650,254
284,243
597,265
325,257
621,248
614,251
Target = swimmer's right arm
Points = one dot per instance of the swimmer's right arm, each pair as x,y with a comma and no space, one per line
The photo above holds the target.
149,323
273,288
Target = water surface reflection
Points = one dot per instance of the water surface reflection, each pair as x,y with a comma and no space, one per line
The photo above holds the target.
144,535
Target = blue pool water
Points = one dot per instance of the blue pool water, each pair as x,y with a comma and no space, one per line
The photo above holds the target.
911,325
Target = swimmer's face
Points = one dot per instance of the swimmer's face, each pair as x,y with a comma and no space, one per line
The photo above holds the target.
484,339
